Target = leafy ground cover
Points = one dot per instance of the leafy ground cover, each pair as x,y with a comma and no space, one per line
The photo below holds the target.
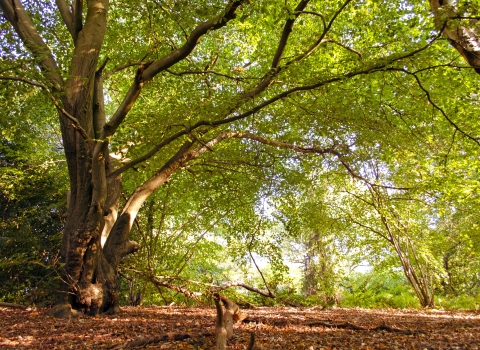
275,328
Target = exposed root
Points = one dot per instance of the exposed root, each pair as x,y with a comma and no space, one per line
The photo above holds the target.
64,311
348,325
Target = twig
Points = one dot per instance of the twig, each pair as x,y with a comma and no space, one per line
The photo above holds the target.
75,123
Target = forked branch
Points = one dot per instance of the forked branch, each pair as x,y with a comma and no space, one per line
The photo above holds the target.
149,70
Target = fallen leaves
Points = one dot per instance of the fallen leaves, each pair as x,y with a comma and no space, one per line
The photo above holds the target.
275,328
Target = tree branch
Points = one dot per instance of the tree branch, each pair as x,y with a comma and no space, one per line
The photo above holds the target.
147,71
437,107
326,29
207,72
120,68
344,46
75,123
214,123
287,30
318,15
13,306
77,18
66,15
224,286
15,13
216,23
464,37
267,79
164,281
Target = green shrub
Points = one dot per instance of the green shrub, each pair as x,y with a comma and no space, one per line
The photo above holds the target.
462,302
377,290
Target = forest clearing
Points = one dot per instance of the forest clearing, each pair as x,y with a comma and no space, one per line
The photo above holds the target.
317,161
275,328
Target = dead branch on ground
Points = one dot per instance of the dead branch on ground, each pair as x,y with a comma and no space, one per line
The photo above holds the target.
13,306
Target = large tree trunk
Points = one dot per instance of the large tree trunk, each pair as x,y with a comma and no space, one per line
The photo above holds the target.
90,275
91,278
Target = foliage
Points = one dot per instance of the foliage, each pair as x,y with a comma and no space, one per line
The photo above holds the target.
32,202
461,302
377,289
320,133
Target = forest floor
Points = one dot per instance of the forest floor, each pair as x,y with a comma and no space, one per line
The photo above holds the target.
274,327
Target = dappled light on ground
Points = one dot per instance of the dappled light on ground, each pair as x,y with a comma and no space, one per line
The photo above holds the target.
275,328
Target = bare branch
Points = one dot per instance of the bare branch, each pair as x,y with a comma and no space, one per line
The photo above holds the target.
165,281
13,306
175,287
224,286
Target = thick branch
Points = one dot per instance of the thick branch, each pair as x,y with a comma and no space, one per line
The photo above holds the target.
216,23
15,13
66,15
77,18
214,123
287,30
147,71
275,70
224,286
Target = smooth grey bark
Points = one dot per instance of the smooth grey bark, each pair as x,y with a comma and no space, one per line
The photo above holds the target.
461,30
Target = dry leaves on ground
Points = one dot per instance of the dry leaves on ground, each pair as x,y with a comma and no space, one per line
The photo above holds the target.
275,328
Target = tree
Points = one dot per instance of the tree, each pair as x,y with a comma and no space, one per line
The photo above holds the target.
170,82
